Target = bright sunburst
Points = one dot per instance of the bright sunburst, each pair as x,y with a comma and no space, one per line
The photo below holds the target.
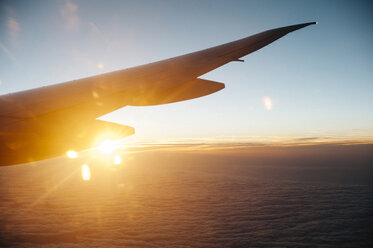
108,146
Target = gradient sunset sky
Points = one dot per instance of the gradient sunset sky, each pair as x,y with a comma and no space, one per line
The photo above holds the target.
319,79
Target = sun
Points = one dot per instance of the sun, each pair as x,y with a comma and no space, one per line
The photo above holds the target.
108,146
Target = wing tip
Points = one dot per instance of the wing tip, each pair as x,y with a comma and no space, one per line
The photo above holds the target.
291,28
302,25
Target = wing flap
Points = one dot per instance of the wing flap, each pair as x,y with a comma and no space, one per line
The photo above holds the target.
184,91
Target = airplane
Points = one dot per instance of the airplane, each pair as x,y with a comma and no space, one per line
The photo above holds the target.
47,122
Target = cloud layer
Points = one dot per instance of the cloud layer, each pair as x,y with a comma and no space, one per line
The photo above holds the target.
164,198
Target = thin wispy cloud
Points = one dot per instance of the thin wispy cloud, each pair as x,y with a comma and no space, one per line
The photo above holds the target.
248,145
69,11
7,52
266,140
94,28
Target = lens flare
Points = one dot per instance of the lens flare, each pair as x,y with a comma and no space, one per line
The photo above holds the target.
86,172
72,154
117,159
267,102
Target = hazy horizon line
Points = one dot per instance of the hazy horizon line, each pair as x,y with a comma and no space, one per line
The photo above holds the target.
255,141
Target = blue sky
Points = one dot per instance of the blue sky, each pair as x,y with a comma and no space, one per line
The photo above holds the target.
319,78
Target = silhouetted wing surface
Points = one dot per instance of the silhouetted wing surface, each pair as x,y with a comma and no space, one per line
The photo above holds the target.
46,122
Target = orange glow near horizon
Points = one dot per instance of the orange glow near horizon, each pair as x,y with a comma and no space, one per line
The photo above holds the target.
86,172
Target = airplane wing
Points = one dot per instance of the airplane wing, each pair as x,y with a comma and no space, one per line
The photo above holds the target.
48,121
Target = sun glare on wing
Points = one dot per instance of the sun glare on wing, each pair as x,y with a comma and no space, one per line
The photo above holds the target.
86,172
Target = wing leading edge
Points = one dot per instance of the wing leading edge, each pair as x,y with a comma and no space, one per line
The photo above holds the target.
32,122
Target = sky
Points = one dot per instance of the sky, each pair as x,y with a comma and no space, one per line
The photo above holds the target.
318,79
281,156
